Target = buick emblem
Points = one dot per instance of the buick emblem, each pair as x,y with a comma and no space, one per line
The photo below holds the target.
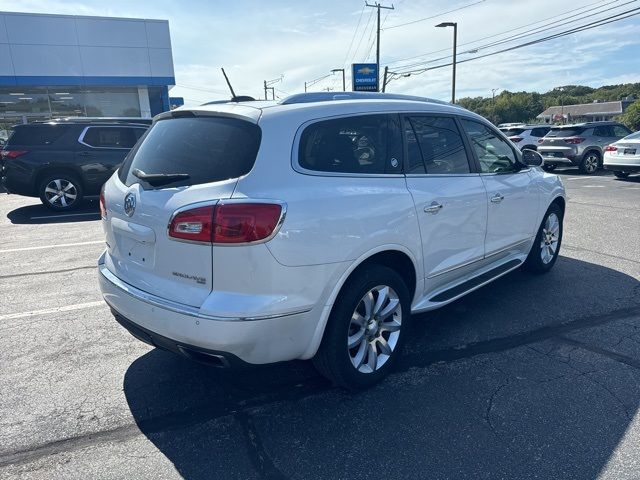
130,204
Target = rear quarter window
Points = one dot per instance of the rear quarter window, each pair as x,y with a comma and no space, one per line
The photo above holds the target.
36,135
206,149
364,144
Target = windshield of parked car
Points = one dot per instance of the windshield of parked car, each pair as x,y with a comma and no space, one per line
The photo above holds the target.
192,150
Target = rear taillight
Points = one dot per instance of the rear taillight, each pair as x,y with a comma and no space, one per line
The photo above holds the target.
103,204
574,140
194,225
230,223
515,139
5,154
610,148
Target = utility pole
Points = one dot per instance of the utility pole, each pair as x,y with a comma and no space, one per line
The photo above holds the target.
384,81
267,86
378,6
344,83
265,89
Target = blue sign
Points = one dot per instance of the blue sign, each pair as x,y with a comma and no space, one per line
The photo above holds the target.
365,77
176,102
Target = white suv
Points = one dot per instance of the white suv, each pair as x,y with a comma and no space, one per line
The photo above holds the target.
313,228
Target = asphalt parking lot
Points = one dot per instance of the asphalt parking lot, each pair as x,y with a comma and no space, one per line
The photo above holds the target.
529,377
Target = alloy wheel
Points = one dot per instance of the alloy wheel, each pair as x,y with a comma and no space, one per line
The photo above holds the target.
591,163
550,235
374,329
61,193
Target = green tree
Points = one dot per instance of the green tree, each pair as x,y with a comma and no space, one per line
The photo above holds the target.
631,117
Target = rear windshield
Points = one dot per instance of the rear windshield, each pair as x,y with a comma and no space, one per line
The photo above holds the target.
512,131
35,135
565,132
196,149
633,136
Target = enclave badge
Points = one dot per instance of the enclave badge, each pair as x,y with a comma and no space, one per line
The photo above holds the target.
130,204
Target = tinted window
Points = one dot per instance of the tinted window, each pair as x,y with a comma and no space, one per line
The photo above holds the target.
539,132
603,131
110,137
36,135
350,145
436,143
510,132
494,153
634,136
620,131
208,149
565,132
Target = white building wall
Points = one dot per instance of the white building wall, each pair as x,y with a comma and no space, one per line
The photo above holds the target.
65,45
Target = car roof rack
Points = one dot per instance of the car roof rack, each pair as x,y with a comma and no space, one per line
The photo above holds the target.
312,97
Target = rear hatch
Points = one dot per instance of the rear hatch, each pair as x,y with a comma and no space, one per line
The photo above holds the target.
182,160
560,141
514,133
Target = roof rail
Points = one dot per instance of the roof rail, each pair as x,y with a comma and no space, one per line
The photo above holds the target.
331,96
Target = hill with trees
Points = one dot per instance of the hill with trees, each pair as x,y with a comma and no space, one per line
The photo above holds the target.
525,106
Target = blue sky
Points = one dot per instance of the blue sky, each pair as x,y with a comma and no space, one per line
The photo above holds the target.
304,40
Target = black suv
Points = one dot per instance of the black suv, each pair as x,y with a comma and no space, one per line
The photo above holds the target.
65,160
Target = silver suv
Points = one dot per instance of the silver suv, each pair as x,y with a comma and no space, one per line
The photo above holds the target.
581,144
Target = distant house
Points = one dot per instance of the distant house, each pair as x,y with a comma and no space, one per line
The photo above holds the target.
586,112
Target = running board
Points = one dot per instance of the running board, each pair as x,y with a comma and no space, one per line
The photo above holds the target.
475,282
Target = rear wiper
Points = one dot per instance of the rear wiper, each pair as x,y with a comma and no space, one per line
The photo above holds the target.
157,179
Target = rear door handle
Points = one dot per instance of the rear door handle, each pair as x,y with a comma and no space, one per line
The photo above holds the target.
434,208
497,198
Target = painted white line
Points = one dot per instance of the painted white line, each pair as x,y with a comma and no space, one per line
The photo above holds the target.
48,311
65,215
594,186
24,249
584,178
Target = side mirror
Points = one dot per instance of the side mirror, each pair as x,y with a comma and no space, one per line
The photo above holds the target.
532,158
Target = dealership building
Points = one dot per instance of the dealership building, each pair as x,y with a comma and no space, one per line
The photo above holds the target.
67,65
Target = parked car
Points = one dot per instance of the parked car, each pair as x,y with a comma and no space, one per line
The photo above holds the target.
623,156
66,160
511,124
581,145
313,228
526,136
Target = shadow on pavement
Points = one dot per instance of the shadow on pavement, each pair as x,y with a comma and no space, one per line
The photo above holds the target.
38,214
508,393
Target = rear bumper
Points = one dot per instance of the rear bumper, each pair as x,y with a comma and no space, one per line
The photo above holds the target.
182,329
622,167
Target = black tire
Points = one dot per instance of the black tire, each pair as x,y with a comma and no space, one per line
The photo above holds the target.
334,358
535,262
61,181
621,174
549,168
591,162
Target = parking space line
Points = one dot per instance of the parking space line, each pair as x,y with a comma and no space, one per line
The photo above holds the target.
65,215
24,249
48,311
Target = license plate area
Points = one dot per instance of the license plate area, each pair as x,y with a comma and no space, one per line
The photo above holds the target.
629,151
132,251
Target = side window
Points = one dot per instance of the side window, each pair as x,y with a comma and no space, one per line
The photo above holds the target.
110,137
604,131
620,131
361,144
539,132
438,144
495,154
139,132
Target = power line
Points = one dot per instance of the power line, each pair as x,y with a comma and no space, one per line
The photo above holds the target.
526,33
604,21
572,12
344,63
200,89
434,16
364,31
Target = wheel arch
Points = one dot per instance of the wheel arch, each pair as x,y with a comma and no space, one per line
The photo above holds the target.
561,202
51,169
396,257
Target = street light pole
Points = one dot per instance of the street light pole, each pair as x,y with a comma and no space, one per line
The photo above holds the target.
455,47
344,84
